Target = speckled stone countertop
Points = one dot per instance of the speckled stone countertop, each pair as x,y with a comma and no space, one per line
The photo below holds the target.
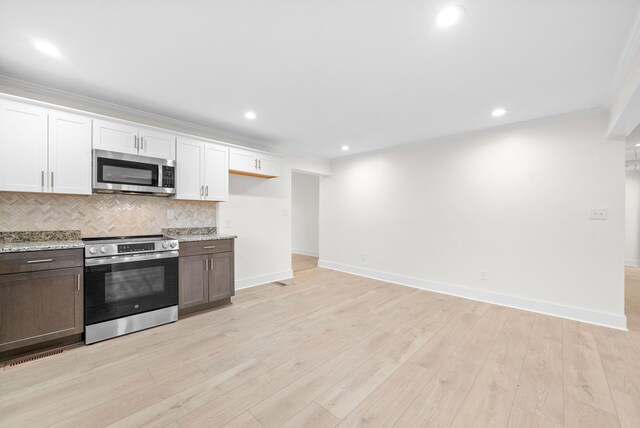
41,240
194,234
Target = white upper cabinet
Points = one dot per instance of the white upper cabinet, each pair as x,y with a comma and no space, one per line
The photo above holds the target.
202,170
157,144
115,137
190,155
44,150
216,172
23,147
124,138
254,163
69,153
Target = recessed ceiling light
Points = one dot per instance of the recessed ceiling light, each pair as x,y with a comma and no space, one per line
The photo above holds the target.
345,148
250,115
499,112
47,48
449,16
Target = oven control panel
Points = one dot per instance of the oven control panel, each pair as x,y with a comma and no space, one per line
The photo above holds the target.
136,248
127,247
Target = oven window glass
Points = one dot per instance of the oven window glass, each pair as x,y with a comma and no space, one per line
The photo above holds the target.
126,172
130,284
118,290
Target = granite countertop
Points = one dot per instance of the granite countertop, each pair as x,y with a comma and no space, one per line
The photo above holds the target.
15,242
194,234
207,237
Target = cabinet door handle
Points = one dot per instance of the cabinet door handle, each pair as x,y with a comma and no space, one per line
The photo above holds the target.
78,282
42,179
52,179
141,143
256,163
39,261
135,141
208,247
206,265
211,264
206,190
260,164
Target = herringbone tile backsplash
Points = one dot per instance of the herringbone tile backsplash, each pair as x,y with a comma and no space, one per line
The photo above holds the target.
101,215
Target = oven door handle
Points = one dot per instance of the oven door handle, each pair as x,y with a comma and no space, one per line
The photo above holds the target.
130,259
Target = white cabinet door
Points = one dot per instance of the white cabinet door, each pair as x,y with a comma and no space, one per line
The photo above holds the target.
268,165
249,162
157,144
69,153
115,137
189,162
23,147
216,172
243,161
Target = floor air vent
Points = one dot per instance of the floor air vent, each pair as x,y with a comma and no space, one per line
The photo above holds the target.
31,358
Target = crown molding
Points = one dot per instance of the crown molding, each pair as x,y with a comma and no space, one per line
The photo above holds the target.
63,97
631,49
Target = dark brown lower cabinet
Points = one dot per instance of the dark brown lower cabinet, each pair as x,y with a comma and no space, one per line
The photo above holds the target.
206,274
40,306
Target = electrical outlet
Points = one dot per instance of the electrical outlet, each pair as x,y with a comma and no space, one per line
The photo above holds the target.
285,212
483,275
170,215
227,224
599,213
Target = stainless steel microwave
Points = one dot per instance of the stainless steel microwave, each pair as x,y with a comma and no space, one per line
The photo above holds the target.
125,173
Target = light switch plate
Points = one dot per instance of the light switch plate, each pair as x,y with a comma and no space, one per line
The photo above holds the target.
599,213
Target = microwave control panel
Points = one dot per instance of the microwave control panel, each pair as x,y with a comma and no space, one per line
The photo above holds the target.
168,177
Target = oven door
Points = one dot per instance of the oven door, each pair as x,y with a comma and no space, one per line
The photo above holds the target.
117,287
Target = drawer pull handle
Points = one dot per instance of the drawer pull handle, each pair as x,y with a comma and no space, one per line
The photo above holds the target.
206,265
78,282
40,261
208,247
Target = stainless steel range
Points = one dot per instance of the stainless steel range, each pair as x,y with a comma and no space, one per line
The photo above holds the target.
131,283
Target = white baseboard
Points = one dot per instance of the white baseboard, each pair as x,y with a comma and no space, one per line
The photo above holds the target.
263,279
632,262
305,252
578,314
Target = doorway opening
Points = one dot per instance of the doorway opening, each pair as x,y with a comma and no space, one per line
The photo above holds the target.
305,221
632,234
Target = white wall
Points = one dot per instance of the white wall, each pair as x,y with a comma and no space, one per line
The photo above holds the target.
305,198
259,213
515,203
632,219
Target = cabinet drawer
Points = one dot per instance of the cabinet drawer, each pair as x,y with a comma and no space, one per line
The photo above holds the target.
32,261
206,247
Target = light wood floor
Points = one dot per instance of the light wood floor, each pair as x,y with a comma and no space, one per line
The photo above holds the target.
300,262
339,350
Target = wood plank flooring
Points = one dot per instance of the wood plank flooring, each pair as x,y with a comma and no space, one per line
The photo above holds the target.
300,262
336,350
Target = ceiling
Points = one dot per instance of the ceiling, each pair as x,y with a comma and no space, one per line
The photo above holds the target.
320,74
